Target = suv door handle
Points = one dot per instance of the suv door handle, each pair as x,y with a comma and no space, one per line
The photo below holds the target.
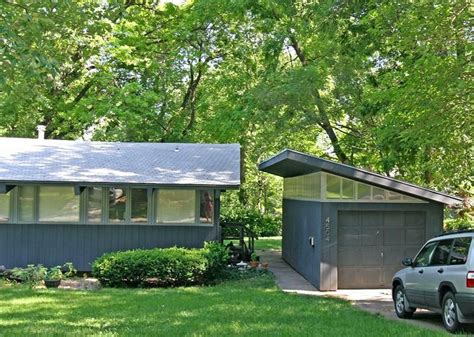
440,270
421,271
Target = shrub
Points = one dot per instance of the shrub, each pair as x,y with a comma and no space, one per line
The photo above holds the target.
217,259
160,267
32,274
260,224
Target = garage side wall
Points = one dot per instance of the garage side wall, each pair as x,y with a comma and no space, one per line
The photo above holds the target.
329,230
302,220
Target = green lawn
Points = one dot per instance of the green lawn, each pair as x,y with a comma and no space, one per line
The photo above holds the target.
236,308
271,242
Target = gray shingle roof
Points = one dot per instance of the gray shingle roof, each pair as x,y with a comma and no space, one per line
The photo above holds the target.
61,161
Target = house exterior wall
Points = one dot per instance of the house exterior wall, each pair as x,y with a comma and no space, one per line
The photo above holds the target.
301,220
55,244
52,245
319,264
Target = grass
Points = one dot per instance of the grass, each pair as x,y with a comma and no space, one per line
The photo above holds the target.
271,242
252,307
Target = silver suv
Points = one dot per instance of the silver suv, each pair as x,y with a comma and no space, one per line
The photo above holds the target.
440,279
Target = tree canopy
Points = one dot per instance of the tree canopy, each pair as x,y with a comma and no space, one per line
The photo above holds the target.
384,85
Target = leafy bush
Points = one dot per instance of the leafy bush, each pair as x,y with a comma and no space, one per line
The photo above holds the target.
161,267
32,274
260,224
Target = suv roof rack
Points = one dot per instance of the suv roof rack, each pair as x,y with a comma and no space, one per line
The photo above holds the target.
457,232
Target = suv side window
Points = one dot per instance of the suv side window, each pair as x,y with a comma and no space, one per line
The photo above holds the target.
424,256
460,251
441,253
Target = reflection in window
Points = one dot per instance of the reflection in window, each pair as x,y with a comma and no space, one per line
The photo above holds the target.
175,206
117,204
441,253
378,193
347,189
58,204
333,187
424,257
206,211
364,191
460,250
94,204
26,195
139,205
4,207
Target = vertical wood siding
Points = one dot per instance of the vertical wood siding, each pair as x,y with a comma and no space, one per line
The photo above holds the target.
51,245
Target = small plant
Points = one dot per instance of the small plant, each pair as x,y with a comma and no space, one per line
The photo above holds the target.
54,274
254,257
69,270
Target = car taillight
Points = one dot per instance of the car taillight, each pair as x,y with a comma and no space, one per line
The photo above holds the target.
470,279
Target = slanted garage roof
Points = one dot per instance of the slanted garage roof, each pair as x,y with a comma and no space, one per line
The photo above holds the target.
290,163
64,161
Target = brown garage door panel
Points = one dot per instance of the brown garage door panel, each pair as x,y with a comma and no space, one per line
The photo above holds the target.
371,245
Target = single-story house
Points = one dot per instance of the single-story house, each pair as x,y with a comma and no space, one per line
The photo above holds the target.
71,201
345,227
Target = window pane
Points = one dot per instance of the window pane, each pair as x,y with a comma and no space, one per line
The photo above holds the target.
207,207
460,251
94,204
441,253
378,193
139,205
117,204
176,206
4,207
333,187
424,257
363,191
26,203
58,204
348,189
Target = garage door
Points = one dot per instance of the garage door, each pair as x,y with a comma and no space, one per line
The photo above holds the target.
371,245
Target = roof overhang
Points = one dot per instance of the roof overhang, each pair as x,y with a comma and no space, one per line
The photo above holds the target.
290,163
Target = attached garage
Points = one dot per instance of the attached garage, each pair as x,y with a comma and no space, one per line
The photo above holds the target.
349,228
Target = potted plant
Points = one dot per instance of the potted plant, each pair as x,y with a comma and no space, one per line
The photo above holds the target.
254,260
53,277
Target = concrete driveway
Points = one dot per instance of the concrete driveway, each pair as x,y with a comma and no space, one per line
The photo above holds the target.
377,301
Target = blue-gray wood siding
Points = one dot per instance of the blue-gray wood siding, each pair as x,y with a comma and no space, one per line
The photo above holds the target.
329,253
301,220
51,245
318,264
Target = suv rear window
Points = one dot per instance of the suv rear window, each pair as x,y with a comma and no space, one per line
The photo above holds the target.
460,250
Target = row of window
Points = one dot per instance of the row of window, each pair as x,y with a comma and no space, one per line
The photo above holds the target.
444,252
115,205
326,186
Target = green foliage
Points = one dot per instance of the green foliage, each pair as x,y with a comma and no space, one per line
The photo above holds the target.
217,258
54,274
31,274
35,274
381,85
260,224
168,267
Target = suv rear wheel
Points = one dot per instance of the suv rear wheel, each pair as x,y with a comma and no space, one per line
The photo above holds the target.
400,303
450,313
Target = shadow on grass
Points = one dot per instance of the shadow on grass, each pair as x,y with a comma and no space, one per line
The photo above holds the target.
248,307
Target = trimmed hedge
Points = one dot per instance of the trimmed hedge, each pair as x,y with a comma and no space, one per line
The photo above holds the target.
163,267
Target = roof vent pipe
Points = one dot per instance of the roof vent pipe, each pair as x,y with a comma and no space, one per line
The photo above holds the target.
41,129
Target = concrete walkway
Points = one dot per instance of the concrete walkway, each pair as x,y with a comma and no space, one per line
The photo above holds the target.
377,301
